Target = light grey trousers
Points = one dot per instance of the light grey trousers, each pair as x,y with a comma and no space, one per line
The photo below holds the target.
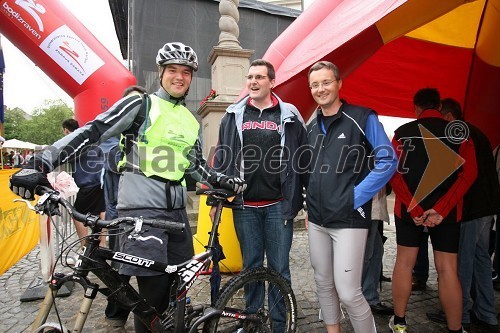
337,259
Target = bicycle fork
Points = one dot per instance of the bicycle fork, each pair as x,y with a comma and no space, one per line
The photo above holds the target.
45,308
58,280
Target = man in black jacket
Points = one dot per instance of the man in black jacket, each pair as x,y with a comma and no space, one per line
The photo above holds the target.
352,160
259,140
480,204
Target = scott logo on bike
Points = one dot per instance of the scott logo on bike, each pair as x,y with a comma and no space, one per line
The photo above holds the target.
133,259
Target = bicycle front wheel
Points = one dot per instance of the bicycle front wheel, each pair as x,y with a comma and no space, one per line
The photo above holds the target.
257,300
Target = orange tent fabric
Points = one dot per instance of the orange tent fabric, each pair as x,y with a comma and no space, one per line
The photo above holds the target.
386,50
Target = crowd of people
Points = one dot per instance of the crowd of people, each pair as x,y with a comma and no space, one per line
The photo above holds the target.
16,158
446,188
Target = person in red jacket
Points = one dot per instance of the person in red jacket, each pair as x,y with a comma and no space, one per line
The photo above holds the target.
435,170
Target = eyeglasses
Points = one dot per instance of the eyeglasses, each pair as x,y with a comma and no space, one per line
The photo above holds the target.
257,77
324,84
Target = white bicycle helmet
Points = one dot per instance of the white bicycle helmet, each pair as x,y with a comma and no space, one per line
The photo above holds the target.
177,53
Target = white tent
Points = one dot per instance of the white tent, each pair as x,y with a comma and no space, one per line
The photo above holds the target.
14,143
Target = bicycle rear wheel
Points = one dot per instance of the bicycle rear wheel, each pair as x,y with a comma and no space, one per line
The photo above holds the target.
272,310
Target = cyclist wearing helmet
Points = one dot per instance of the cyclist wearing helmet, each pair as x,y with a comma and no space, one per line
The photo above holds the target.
164,146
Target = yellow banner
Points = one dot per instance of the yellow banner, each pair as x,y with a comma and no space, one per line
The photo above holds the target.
19,230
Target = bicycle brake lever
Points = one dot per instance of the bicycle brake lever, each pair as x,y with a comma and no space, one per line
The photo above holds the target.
136,233
41,200
39,206
30,206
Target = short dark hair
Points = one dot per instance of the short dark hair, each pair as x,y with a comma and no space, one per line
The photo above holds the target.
270,68
70,124
131,89
325,64
449,105
427,98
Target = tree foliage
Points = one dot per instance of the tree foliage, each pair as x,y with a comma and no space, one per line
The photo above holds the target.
43,128
15,120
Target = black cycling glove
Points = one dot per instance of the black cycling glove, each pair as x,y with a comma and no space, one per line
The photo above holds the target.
235,184
28,182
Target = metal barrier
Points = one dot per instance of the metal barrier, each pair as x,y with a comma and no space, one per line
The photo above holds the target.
64,232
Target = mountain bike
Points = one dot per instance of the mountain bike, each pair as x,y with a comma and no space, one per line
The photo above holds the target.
229,312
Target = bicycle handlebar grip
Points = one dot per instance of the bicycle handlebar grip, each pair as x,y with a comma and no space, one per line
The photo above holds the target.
72,211
41,190
166,225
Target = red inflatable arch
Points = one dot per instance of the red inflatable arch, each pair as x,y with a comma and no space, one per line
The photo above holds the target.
67,52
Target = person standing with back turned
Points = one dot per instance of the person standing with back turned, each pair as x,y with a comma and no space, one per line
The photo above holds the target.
86,171
343,180
163,143
435,171
481,203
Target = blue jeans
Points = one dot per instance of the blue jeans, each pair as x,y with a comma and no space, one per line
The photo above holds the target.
421,269
474,270
263,231
372,265
496,254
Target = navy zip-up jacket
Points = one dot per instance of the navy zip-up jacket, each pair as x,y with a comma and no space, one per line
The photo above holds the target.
352,160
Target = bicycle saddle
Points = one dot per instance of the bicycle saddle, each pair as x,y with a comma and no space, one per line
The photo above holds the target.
216,192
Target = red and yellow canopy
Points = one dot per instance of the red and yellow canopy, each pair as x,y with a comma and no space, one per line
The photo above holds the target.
387,50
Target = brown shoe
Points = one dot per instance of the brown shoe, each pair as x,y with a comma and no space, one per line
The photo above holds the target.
418,285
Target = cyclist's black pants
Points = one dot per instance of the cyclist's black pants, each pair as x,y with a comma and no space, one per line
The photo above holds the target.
155,290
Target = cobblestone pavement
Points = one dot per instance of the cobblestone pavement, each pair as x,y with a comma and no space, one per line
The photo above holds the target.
16,316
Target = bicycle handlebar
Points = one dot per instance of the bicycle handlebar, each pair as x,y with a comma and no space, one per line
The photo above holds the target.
50,196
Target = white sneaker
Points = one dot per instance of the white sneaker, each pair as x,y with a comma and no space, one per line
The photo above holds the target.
399,328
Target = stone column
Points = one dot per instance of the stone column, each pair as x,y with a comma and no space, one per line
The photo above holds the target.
230,63
228,24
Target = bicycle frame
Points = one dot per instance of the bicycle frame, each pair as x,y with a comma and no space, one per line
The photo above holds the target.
94,259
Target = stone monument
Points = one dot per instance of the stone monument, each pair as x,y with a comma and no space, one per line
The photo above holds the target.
230,63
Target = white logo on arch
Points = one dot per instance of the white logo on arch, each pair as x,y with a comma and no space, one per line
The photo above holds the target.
33,9
70,52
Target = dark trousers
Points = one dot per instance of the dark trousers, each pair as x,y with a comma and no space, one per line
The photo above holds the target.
154,289
111,179
496,261
421,269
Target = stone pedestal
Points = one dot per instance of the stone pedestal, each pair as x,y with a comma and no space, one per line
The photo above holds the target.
229,68
211,113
